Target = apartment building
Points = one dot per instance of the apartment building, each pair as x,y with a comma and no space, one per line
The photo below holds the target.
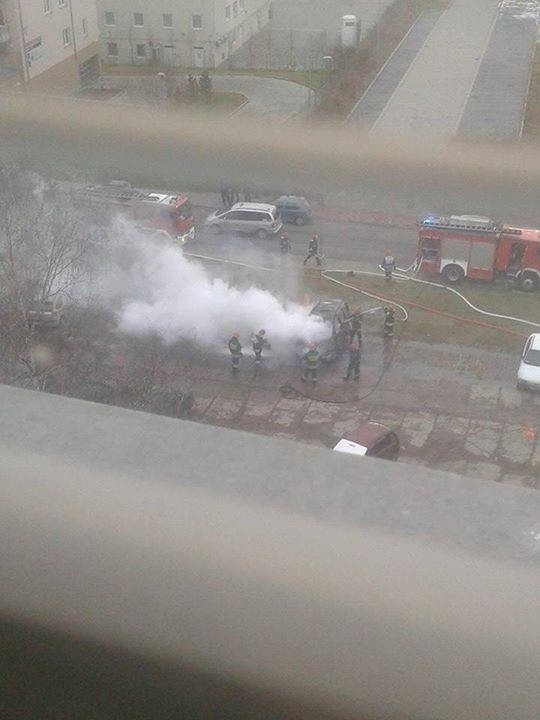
193,33
49,45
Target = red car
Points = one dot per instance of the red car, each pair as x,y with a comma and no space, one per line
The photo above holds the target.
372,440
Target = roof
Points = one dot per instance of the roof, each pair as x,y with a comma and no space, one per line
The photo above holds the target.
535,345
326,308
477,223
292,198
352,448
367,433
262,207
527,234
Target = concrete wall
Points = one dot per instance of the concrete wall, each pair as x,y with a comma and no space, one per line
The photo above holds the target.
226,25
57,35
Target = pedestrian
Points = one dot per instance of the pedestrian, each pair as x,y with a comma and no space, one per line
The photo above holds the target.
285,243
313,250
193,87
247,195
259,342
235,348
353,367
388,265
225,197
388,327
311,363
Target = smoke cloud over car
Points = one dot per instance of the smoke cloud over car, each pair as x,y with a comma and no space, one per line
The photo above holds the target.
158,290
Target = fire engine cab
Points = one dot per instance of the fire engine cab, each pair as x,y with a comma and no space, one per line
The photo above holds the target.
157,210
476,247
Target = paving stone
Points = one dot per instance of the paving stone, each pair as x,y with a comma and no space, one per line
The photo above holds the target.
260,404
288,411
510,397
320,413
453,424
417,427
483,471
392,418
485,392
223,410
349,421
516,447
482,438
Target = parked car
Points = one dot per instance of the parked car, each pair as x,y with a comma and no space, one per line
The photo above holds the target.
370,439
334,313
45,313
293,209
258,219
529,366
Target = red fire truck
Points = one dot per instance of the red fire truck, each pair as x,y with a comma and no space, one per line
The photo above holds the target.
461,246
157,210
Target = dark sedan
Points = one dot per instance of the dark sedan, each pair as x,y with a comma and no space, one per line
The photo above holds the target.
293,209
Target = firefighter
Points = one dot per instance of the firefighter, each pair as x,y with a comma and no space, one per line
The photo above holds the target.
311,363
356,327
353,367
313,250
388,265
235,349
259,342
285,243
388,327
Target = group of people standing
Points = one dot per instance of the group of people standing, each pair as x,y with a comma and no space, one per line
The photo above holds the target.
229,196
258,342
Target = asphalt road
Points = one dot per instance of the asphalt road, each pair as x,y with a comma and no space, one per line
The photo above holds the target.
362,245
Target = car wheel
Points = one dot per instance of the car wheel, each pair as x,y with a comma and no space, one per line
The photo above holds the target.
262,234
215,229
300,220
529,282
453,273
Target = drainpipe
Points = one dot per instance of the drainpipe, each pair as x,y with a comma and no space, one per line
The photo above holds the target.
26,74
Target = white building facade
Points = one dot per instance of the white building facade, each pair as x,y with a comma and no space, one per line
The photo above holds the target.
188,33
53,45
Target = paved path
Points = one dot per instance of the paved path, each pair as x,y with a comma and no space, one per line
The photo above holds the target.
462,71
268,97
433,92
497,103
455,409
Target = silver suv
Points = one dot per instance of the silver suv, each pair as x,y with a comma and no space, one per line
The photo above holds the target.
257,219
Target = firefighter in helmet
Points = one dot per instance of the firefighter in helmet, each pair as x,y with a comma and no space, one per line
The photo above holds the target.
311,363
235,348
388,327
259,342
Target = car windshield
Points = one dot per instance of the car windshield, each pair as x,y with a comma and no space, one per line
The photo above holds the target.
532,357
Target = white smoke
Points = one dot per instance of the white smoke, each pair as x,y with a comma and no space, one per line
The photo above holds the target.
161,291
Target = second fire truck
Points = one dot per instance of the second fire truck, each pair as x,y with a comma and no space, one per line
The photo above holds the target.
476,247
149,209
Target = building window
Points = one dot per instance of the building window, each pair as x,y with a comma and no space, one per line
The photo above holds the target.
46,6
235,8
61,3
138,19
112,49
84,27
109,18
167,20
66,36
228,12
140,51
196,22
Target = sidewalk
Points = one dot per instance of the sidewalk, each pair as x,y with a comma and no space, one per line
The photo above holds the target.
464,71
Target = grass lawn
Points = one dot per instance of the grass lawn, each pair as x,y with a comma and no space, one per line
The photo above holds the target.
314,79
427,326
